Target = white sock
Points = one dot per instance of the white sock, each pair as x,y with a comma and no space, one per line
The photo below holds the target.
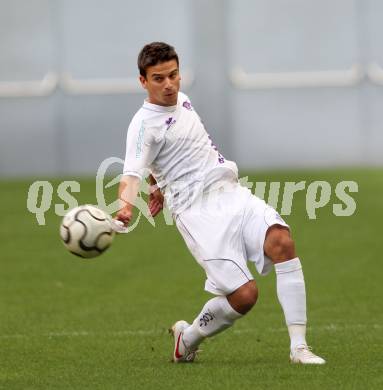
292,297
297,335
216,316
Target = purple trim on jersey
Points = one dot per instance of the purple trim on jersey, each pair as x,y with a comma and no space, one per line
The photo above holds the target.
221,159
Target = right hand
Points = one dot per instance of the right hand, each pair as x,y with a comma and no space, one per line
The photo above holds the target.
124,215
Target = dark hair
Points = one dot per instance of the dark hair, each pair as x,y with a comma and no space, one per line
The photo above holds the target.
154,53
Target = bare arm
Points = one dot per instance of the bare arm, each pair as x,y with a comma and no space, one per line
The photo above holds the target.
127,194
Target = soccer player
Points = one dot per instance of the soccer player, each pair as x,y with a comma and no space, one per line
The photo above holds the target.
223,224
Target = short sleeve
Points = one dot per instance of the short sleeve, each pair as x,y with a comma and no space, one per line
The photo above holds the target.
142,147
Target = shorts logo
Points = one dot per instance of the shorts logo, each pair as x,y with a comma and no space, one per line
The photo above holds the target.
206,318
187,105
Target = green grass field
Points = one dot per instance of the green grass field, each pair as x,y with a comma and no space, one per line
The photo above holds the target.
67,323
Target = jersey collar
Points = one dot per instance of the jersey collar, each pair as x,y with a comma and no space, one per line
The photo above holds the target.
155,107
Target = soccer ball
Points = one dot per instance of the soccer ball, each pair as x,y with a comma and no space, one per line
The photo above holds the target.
87,231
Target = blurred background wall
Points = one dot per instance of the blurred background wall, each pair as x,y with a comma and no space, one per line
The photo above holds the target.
278,83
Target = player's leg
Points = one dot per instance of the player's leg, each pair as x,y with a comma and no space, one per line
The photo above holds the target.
279,247
218,314
213,233
244,298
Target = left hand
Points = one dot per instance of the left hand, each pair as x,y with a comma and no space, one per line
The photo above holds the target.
156,202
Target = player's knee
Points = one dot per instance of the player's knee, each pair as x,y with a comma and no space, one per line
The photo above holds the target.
280,246
244,298
249,297
286,248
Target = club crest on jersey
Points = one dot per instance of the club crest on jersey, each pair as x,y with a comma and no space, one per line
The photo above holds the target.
170,122
187,105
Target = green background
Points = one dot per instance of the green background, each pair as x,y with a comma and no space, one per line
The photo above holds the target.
67,323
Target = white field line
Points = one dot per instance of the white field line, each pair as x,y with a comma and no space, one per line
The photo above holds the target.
157,332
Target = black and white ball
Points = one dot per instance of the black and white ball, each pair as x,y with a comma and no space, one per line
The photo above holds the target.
87,231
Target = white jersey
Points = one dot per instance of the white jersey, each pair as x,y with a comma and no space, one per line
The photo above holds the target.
173,145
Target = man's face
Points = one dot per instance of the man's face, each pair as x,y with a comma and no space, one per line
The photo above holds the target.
162,82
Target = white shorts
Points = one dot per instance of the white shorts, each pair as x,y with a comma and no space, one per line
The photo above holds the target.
224,229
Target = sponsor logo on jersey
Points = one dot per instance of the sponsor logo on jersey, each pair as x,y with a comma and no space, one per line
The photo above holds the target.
170,122
187,105
140,140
